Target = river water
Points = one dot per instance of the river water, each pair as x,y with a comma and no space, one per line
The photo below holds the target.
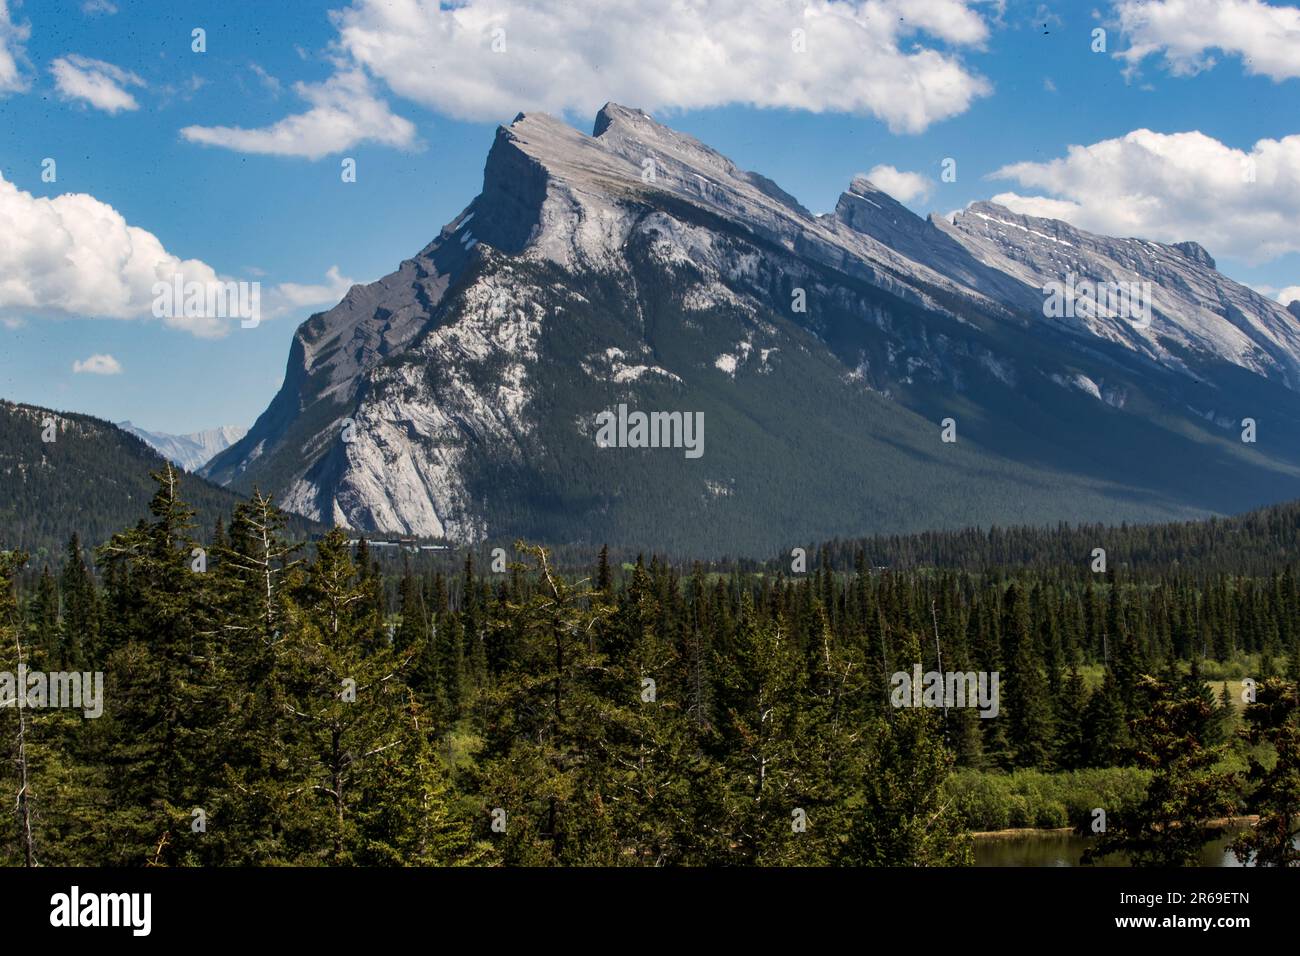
1065,849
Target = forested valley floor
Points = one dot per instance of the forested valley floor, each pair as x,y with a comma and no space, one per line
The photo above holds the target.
268,701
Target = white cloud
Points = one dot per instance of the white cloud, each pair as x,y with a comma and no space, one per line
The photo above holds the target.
93,7
98,364
269,81
1186,32
344,113
903,186
1172,187
12,54
1039,206
1289,294
864,57
861,56
100,84
76,256
289,297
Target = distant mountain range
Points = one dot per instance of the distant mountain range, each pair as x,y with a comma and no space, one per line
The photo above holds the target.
636,267
191,451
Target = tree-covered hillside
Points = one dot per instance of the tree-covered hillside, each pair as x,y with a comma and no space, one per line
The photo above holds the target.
90,480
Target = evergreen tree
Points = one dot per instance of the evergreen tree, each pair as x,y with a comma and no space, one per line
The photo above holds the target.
1028,709
1106,729
43,617
1172,823
255,569
79,630
1071,722
905,817
346,697
541,774
407,812
1273,719
160,683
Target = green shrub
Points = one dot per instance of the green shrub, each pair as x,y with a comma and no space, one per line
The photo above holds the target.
1033,798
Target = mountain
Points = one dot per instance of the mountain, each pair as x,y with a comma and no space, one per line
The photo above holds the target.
637,267
92,479
191,451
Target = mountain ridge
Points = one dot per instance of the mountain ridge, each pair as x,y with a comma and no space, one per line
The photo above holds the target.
640,265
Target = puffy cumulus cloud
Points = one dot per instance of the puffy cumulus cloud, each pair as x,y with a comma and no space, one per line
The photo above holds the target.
489,59
101,85
1172,187
98,364
1288,295
344,112
858,56
76,256
1186,32
12,37
903,186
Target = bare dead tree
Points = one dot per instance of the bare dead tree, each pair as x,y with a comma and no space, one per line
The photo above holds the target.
23,802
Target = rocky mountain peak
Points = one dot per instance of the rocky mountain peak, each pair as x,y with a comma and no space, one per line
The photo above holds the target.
862,186
612,113
865,201
1196,252
640,265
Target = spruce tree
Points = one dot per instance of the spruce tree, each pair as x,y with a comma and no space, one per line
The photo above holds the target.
1026,704
1273,719
347,700
542,772
79,631
904,817
160,679
1187,793
255,568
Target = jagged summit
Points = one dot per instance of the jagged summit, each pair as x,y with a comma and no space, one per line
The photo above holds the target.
612,113
1196,252
615,155
571,198
622,143
860,185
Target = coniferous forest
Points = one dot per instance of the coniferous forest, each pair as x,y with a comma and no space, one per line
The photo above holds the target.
269,701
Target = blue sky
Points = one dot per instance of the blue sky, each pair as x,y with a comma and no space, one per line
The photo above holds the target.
107,89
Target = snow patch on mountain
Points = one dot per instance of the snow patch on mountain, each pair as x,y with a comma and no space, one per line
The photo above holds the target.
612,365
1080,382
